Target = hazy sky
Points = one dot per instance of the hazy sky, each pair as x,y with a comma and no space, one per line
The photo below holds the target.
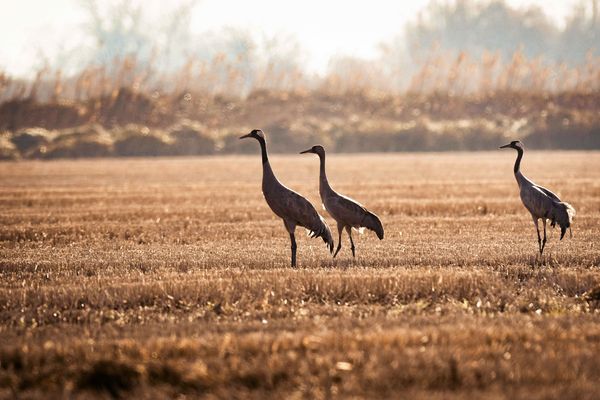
324,28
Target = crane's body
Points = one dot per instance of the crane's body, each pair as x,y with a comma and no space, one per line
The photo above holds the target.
288,205
540,202
347,212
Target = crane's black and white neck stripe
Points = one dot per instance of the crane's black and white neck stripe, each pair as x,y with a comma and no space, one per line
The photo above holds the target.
263,149
518,160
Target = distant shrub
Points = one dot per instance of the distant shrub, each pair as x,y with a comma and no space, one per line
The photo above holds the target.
8,151
31,140
191,138
140,141
85,141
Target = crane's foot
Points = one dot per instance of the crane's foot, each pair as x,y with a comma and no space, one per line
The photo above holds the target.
337,250
542,258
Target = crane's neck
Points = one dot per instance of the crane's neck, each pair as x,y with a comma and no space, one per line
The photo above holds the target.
518,161
263,150
323,182
268,179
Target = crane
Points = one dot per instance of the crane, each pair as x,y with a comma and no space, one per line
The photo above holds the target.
541,202
288,205
347,212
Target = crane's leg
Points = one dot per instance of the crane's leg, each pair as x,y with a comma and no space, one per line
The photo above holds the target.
340,229
291,228
537,229
543,240
293,240
349,230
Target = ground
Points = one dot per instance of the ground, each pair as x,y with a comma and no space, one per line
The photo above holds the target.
149,278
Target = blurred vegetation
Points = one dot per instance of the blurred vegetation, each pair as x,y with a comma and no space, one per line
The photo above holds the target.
480,26
466,75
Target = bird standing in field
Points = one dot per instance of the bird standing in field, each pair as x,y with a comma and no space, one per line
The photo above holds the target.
347,213
288,205
541,202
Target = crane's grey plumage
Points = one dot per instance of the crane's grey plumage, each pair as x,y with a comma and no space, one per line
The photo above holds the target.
541,202
347,212
288,205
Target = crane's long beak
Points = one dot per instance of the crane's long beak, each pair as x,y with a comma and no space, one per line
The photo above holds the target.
505,146
245,136
307,151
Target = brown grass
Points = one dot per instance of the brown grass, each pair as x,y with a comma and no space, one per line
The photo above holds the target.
152,278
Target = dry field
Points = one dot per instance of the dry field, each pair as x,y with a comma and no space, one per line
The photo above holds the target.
149,278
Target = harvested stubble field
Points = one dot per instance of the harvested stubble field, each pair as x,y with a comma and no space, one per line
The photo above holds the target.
157,277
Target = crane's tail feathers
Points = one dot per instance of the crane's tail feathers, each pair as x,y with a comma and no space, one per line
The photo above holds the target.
372,222
562,214
323,231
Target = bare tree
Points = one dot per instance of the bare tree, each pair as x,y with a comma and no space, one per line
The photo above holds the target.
122,28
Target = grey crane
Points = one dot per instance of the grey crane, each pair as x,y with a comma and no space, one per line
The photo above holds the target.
288,205
541,202
347,212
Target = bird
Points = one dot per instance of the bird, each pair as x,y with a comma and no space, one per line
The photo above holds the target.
288,205
348,213
541,202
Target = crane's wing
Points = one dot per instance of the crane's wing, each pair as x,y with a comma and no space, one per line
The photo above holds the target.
562,214
345,209
536,201
293,207
300,210
351,212
542,203
548,193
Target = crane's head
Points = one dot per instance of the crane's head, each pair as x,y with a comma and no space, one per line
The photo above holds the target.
316,149
256,134
515,144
